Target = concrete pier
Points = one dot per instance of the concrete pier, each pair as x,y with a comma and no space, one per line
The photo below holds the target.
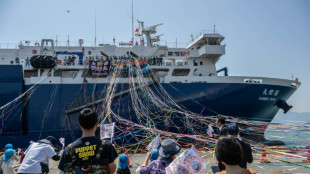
294,165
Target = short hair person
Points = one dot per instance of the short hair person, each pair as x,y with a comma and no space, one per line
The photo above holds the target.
38,153
229,152
7,160
220,123
88,154
233,130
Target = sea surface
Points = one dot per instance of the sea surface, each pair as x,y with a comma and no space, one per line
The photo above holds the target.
292,128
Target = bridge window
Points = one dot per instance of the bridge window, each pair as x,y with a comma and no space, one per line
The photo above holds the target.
89,52
170,53
180,72
30,73
177,53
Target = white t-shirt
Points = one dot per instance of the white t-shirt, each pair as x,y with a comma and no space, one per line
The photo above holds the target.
7,167
36,153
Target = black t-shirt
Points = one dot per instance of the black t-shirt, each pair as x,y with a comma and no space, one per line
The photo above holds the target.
247,154
86,148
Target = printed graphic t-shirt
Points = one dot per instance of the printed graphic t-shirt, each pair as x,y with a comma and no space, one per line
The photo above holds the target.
86,149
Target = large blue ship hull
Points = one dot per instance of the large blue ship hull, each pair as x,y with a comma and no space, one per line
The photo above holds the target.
44,114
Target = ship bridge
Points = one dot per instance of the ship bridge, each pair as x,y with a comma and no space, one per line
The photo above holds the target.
207,46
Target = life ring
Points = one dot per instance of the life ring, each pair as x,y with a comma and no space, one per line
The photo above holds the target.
34,51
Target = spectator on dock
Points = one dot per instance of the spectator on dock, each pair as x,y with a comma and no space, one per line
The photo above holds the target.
8,162
233,130
229,152
122,165
167,149
88,154
37,155
222,128
13,157
154,156
222,131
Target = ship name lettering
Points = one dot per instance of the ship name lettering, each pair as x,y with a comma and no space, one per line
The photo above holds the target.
271,92
276,92
267,99
265,92
264,98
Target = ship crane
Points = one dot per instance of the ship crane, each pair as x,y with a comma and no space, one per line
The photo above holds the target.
148,31
156,38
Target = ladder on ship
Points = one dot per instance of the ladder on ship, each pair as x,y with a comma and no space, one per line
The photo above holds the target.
85,102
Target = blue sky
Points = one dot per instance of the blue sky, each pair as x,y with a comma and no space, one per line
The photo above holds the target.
263,37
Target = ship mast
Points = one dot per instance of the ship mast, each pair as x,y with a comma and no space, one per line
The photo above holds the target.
95,28
132,23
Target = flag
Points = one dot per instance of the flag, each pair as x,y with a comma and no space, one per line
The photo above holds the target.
107,131
187,162
154,143
210,131
137,32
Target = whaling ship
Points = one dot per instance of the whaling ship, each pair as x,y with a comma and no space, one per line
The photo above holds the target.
51,77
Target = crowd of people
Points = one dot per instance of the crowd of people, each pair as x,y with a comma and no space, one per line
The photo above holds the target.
71,60
90,154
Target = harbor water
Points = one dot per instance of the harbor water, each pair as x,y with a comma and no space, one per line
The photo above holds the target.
296,135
